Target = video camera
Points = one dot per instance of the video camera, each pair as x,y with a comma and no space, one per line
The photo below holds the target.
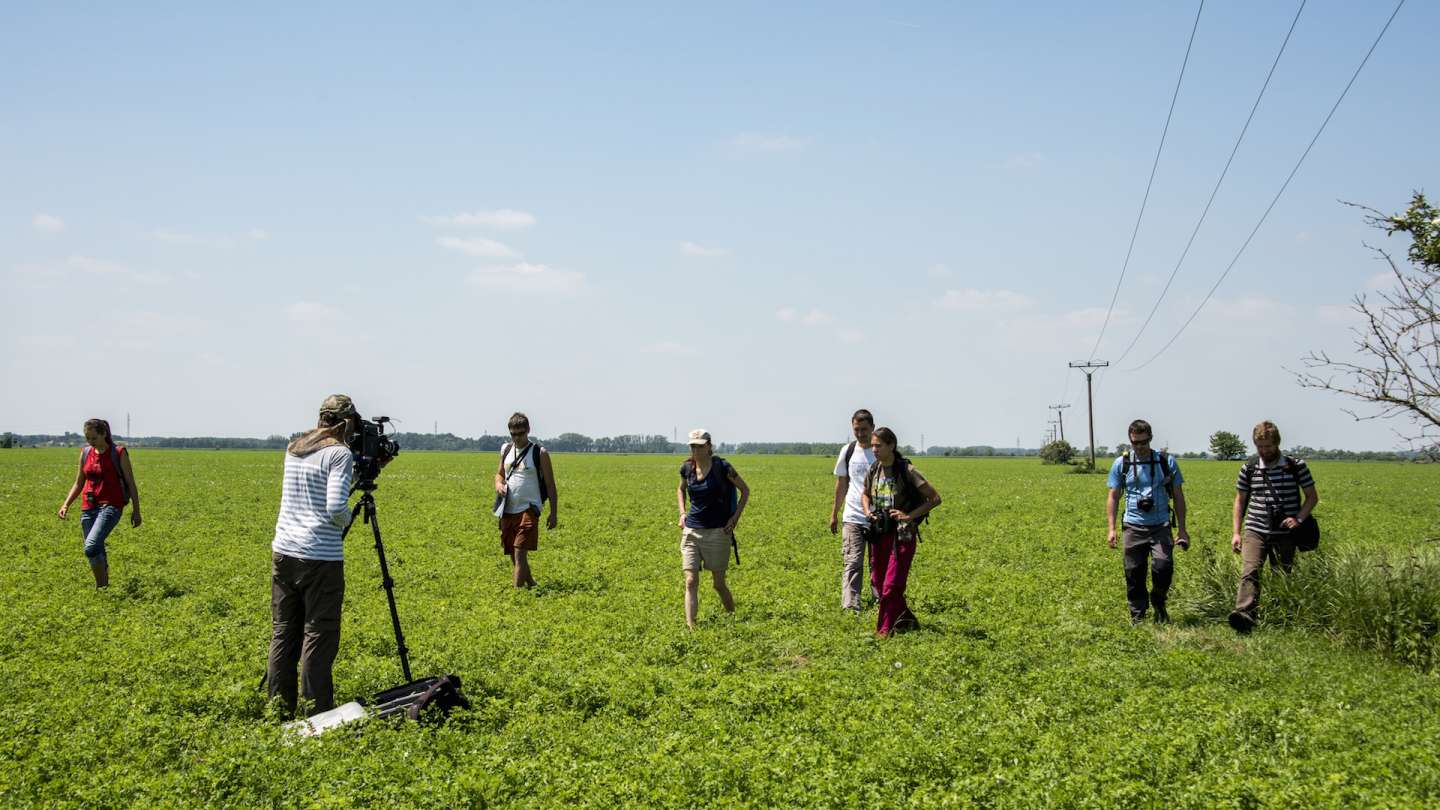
372,450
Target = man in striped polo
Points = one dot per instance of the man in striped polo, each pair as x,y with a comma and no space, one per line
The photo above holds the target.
1268,499
307,579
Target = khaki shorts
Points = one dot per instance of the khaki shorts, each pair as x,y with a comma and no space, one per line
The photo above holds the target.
710,546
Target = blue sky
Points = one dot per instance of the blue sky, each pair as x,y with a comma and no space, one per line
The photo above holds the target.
627,219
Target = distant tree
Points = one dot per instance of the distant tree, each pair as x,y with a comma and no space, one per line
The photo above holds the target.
7,441
1057,452
1226,445
1397,368
1120,449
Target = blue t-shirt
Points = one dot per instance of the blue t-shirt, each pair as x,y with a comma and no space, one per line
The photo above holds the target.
710,499
1145,478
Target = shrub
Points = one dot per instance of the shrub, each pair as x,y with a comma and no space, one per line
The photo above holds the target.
1057,452
1381,600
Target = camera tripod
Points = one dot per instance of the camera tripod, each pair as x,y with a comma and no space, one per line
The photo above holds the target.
412,697
366,507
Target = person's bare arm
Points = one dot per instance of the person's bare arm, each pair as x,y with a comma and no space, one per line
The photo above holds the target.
500,475
1237,515
129,473
744,499
841,484
74,488
1111,502
932,500
549,472
1311,498
680,501
1182,535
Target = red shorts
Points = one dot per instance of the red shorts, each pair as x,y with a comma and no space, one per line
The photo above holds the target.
520,530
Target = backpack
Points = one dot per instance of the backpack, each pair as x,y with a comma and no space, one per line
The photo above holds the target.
849,451
1307,534
1157,457
119,471
505,448
728,491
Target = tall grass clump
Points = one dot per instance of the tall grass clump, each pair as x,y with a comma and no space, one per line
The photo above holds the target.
1379,599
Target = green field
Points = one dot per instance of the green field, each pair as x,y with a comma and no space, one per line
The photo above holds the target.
1027,686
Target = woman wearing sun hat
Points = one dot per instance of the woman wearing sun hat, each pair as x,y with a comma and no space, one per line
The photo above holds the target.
707,525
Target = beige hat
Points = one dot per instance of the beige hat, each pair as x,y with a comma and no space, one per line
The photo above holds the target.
699,436
338,405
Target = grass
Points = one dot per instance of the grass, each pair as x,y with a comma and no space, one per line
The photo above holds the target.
1027,686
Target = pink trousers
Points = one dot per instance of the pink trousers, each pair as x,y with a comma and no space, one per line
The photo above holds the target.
889,570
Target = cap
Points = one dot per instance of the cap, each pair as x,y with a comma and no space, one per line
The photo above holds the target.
338,405
699,436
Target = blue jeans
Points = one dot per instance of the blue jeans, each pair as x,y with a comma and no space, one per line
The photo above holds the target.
96,525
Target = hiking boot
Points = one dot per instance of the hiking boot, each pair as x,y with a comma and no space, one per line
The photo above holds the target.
1161,615
1240,622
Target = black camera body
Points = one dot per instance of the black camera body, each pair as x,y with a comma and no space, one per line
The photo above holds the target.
881,523
372,449
1145,504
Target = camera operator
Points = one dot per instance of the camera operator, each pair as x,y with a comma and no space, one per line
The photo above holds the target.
851,467
307,582
896,498
1148,479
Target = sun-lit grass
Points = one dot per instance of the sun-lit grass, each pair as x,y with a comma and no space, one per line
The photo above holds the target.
1027,686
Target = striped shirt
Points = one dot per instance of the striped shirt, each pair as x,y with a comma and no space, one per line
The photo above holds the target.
314,504
1274,492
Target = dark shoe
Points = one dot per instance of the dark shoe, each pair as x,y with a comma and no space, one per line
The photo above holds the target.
1240,622
1136,618
1161,615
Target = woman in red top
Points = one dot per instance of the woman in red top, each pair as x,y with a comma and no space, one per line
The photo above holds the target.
107,483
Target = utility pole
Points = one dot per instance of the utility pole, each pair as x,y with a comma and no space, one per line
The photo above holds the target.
922,444
127,424
1060,413
1051,434
1089,367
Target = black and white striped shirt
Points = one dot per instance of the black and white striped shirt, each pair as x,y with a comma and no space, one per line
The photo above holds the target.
315,504
1275,492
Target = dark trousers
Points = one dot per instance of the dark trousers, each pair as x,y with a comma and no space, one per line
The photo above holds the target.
305,600
1255,549
1152,544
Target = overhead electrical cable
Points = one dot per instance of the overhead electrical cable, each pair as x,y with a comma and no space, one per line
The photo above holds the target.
1216,190
1278,194
1146,199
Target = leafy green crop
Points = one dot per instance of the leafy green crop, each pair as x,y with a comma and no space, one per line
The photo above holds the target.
1027,686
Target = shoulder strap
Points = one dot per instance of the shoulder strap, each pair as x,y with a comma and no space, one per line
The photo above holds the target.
119,472
849,451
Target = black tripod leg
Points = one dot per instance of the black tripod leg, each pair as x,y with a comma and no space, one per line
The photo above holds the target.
369,504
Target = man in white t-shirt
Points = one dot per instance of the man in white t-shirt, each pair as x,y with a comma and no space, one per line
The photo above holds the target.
851,468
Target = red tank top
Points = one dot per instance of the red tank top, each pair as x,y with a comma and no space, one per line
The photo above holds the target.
102,479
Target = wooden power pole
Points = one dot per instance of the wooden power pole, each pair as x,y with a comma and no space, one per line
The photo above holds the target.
1060,415
1089,367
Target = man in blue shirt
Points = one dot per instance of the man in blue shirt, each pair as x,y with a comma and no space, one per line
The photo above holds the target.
1148,480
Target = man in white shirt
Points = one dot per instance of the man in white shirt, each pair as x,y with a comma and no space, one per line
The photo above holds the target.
851,467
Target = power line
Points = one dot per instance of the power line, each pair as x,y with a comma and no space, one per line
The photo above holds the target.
1144,201
1236,148
1283,186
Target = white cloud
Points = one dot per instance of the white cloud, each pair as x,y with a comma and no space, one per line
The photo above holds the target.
87,266
310,312
527,277
1380,281
1028,160
972,300
813,317
314,320
760,142
670,347
498,218
694,249
1340,315
170,236
47,224
479,246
